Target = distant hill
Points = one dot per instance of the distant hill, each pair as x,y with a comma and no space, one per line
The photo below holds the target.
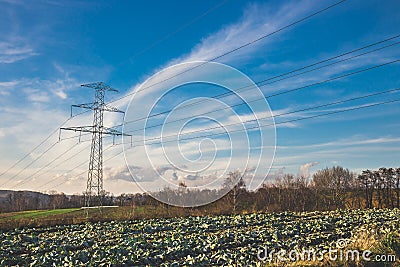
4,194
11,200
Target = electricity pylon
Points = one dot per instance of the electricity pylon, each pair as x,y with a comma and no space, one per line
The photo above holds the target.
95,172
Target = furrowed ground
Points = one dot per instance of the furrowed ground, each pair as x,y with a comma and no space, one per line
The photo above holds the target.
201,240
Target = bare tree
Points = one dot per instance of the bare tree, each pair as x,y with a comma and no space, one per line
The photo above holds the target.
332,184
20,200
397,183
286,191
57,200
236,186
182,193
365,179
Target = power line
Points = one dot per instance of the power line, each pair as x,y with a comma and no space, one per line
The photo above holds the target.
279,93
293,120
289,112
283,92
33,150
336,78
258,126
327,65
47,165
184,26
36,159
238,48
66,180
68,159
224,54
336,57
233,50
318,83
166,37
218,96
320,115
71,170
281,29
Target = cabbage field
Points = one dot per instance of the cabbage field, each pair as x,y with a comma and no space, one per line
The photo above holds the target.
232,240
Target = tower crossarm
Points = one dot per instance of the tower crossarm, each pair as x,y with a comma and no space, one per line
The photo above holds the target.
92,129
86,106
93,106
100,86
85,129
114,132
112,109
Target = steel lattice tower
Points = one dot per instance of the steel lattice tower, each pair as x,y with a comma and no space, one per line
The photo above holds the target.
94,185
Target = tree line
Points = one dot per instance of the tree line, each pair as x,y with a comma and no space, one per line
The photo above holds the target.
327,189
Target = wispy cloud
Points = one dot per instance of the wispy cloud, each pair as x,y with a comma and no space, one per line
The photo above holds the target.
15,50
353,141
356,152
256,21
36,95
39,90
6,87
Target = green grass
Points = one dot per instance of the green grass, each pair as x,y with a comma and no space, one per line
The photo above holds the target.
14,213
37,213
38,218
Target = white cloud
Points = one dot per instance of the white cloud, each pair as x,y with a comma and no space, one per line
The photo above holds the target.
15,50
8,84
305,169
39,90
61,94
257,21
35,95
356,152
6,87
352,141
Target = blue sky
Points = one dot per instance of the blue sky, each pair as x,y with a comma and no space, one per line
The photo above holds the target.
49,48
